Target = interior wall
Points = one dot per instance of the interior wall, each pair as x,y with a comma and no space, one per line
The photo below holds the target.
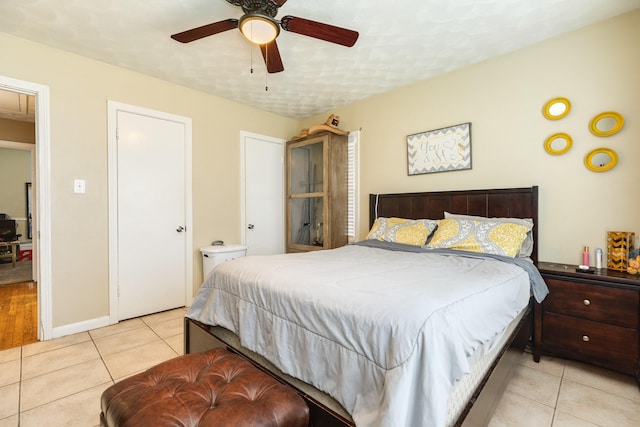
79,90
18,131
596,68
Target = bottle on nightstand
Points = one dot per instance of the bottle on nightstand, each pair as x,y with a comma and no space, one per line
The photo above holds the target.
599,259
585,256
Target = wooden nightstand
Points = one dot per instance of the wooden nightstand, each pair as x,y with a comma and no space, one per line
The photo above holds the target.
593,318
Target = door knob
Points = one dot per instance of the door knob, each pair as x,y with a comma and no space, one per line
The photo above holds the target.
180,229
250,227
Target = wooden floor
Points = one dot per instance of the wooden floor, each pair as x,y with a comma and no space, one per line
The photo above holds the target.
18,314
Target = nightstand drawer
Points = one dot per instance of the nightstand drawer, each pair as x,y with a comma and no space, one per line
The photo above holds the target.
587,340
598,303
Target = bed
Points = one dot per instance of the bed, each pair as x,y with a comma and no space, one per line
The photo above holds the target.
352,328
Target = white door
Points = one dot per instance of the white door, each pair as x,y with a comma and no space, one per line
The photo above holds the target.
151,214
263,201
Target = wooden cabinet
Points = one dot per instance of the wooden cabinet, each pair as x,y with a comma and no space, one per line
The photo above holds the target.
316,170
594,318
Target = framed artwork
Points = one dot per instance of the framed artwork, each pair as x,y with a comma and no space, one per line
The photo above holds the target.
440,150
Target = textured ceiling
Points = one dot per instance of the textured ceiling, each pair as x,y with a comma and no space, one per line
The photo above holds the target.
401,42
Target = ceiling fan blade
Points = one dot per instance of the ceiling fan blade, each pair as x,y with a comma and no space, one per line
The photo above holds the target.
279,3
271,55
205,31
318,30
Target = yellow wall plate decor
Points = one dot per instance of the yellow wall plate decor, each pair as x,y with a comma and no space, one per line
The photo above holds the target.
556,108
558,143
606,124
601,159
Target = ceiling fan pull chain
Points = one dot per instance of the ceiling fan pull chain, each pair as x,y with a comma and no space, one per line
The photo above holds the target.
251,50
266,74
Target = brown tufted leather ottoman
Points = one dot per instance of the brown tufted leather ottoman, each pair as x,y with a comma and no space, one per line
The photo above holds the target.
216,388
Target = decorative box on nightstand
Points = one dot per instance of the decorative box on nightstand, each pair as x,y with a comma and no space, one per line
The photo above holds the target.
590,317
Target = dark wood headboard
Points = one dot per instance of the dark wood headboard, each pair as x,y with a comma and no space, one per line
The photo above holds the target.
506,202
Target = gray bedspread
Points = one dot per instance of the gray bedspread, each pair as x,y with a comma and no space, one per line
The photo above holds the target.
539,288
385,330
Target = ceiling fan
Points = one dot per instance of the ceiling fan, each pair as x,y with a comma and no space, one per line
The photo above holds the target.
259,26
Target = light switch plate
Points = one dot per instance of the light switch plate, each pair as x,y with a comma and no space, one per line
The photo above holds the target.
79,186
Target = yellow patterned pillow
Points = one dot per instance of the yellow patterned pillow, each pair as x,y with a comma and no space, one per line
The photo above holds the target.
489,237
527,246
401,230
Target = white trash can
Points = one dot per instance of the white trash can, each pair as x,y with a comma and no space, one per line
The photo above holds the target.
217,254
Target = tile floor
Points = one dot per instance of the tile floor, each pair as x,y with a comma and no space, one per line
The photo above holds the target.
563,393
59,382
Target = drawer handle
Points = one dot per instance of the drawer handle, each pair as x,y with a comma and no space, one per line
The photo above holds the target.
586,302
585,338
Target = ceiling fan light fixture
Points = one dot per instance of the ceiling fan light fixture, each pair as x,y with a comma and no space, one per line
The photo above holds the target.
258,29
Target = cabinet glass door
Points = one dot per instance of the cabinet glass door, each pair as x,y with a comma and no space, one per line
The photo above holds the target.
306,169
306,194
306,221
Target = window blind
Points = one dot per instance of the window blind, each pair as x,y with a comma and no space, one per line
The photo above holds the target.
353,172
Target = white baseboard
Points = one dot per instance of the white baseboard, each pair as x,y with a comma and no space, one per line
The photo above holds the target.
84,326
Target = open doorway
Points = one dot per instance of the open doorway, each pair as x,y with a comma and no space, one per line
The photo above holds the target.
36,192
18,289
